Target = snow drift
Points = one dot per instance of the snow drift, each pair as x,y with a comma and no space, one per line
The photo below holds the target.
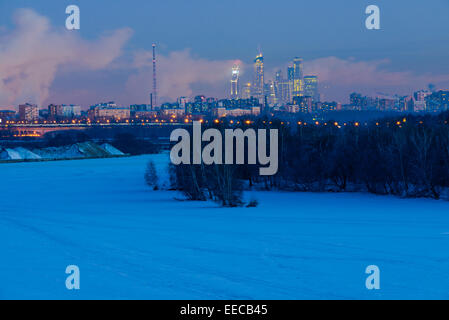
18,154
75,151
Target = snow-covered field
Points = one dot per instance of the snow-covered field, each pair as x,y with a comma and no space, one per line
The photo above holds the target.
130,242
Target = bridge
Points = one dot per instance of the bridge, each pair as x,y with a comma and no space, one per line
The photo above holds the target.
38,130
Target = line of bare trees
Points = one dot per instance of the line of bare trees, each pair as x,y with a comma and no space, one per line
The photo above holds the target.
407,157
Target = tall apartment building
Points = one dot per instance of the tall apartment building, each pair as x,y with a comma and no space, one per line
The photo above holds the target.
28,112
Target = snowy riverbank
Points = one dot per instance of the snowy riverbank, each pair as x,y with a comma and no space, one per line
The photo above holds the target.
82,150
130,242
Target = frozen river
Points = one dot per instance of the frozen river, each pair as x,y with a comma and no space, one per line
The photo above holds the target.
131,242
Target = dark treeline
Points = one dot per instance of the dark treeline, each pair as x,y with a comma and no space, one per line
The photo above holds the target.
406,156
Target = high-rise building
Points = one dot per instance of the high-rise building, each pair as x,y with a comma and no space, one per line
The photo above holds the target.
270,93
290,78
235,82
246,91
258,82
437,101
55,111
290,73
311,87
420,103
28,112
281,89
298,77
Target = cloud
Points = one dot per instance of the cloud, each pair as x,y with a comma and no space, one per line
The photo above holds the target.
179,73
339,77
33,53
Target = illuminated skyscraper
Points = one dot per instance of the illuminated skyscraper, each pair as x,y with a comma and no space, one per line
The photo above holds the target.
311,87
290,73
246,91
270,93
290,79
298,78
235,82
281,89
258,82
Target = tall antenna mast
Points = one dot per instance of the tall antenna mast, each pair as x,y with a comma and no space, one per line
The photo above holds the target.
154,102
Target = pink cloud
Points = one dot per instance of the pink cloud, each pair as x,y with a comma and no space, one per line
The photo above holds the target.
35,51
339,77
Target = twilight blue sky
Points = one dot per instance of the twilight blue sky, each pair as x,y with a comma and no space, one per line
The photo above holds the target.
410,50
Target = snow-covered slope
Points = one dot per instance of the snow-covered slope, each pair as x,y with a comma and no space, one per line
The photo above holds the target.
9,154
26,154
112,150
131,242
75,151
18,154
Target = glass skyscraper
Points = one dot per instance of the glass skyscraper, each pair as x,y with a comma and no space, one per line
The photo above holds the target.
311,87
258,82
298,77
235,82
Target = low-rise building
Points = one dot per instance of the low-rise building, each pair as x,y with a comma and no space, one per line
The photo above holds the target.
71,111
173,112
223,112
146,114
108,111
7,115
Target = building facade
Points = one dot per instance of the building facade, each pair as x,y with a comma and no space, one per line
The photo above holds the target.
298,77
246,91
239,112
311,87
109,110
259,80
28,112
235,83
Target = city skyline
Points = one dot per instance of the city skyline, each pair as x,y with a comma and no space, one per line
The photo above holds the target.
113,60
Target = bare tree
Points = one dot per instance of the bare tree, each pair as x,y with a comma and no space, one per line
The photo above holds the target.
151,177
